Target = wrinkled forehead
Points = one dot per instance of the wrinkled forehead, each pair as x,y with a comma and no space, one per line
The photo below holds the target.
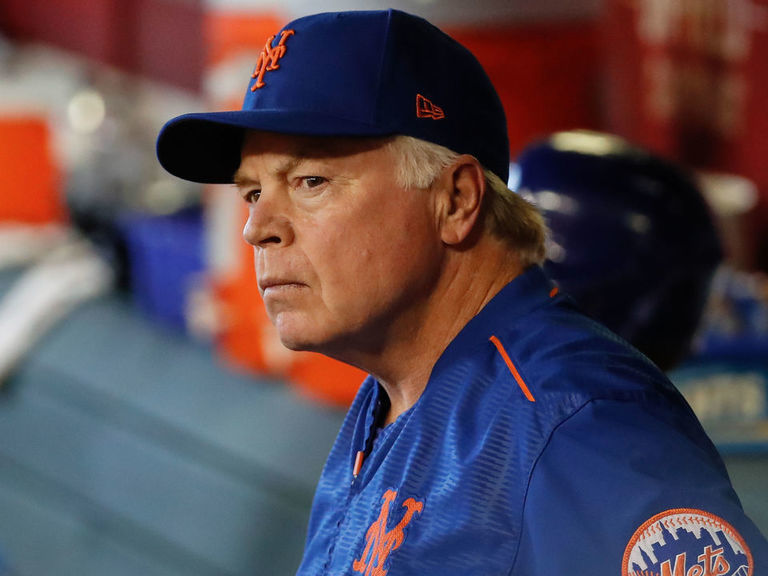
308,147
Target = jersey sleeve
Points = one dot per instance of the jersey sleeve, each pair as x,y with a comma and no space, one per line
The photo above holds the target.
622,489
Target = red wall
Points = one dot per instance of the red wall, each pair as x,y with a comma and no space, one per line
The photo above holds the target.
547,75
160,39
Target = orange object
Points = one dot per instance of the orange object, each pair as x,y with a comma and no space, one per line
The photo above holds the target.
230,33
359,458
29,177
508,361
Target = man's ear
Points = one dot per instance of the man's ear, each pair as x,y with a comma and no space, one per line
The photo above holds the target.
461,192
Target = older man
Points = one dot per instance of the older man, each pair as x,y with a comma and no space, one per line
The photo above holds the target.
499,431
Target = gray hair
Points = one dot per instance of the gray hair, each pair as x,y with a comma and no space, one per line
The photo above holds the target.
507,215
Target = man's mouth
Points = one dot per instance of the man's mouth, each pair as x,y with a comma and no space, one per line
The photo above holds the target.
278,285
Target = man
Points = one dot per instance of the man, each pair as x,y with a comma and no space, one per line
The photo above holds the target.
499,431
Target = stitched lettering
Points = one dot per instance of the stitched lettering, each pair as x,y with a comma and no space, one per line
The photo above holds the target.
379,543
269,58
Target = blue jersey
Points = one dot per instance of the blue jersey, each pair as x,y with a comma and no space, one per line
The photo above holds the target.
542,445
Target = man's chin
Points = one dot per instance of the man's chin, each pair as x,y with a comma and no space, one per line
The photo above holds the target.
292,334
298,341
304,343
308,337
296,345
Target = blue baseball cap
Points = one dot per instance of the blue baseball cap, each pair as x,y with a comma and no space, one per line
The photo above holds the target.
358,73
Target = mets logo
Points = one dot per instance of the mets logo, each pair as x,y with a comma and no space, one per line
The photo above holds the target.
687,542
379,542
269,58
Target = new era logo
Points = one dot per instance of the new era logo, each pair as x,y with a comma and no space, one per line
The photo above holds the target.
426,109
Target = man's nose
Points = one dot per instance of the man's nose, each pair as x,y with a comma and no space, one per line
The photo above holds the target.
268,222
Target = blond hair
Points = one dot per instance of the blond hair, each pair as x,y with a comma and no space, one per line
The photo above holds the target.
507,215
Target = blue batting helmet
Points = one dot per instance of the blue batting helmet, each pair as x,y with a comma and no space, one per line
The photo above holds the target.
631,239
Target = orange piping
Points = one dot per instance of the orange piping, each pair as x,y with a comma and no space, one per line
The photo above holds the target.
512,369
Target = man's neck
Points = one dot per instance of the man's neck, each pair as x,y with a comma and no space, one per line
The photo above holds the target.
403,368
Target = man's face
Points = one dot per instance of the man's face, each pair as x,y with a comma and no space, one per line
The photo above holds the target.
345,258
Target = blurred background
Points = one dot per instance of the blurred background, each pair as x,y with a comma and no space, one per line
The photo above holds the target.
150,421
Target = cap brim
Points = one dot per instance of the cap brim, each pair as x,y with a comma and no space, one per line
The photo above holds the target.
205,147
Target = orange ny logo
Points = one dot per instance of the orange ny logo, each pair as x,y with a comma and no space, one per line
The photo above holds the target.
379,543
269,57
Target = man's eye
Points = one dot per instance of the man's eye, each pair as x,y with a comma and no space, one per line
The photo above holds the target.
313,181
252,196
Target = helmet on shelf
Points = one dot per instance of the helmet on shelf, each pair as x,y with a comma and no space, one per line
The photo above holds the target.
632,239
